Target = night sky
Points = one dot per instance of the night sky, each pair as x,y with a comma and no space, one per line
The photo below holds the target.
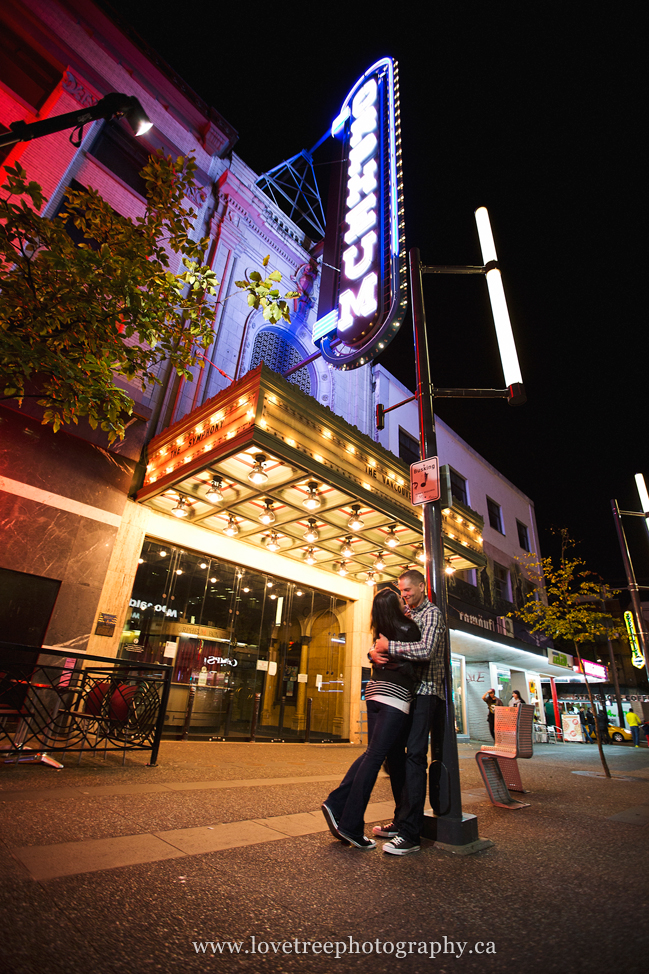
534,111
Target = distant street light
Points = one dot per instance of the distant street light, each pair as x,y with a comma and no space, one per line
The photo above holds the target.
112,106
644,497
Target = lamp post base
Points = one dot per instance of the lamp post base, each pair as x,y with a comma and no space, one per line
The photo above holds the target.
453,835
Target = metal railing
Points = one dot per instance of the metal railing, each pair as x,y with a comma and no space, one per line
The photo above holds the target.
68,702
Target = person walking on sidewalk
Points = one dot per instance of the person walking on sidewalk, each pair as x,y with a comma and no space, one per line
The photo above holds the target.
634,722
408,758
492,701
388,694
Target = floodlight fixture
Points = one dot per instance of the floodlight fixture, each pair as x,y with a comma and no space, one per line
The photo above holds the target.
214,492
257,476
312,501
355,523
311,534
181,509
114,105
267,516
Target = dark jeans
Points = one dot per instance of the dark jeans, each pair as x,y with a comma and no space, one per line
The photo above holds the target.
408,763
349,800
635,733
491,720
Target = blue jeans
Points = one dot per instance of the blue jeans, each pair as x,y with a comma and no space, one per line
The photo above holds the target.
408,764
349,800
635,733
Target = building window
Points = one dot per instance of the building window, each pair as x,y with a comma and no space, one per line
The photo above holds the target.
501,582
495,515
523,536
279,354
408,447
23,70
468,576
123,154
458,488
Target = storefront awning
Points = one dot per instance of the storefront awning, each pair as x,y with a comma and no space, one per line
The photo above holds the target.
204,467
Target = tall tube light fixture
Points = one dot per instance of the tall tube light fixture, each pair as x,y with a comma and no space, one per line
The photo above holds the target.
504,334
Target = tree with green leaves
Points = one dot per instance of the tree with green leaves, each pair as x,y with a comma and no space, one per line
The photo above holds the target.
566,605
74,317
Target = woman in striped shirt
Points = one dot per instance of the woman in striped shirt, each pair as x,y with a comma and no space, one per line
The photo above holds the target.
388,695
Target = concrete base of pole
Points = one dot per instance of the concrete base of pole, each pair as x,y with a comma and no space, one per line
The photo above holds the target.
454,835
465,850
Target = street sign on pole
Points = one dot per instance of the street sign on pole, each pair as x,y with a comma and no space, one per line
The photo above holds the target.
424,481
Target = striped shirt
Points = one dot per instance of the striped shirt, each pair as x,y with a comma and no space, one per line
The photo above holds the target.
380,691
428,653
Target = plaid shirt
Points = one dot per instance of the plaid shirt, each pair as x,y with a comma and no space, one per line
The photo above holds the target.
428,653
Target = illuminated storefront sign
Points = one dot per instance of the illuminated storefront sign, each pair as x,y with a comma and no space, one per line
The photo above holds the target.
596,670
363,304
636,655
560,659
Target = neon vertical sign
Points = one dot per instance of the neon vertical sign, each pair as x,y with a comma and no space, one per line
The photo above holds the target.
364,303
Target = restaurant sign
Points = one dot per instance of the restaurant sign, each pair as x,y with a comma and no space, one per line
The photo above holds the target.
636,653
363,291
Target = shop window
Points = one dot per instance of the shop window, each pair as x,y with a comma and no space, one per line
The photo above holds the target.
408,447
501,582
279,354
523,536
458,488
24,70
122,153
247,649
495,515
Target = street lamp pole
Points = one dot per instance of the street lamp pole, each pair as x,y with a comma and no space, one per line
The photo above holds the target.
449,826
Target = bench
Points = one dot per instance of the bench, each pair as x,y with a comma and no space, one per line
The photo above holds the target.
498,762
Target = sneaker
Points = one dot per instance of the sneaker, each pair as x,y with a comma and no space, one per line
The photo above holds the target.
386,831
362,843
400,846
330,820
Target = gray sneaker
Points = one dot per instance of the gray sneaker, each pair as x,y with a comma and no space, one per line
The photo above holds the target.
400,846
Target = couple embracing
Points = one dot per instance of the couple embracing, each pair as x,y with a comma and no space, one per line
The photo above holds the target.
404,695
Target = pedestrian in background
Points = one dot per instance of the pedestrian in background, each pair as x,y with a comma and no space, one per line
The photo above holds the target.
602,723
492,701
516,699
634,722
584,726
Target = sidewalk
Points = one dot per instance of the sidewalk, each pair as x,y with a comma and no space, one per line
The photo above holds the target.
111,870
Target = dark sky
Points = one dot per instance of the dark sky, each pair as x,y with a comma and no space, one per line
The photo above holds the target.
533,110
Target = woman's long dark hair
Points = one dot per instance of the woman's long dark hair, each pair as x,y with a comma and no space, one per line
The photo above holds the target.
387,614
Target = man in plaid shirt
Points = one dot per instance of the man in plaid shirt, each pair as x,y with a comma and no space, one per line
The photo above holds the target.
408,759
